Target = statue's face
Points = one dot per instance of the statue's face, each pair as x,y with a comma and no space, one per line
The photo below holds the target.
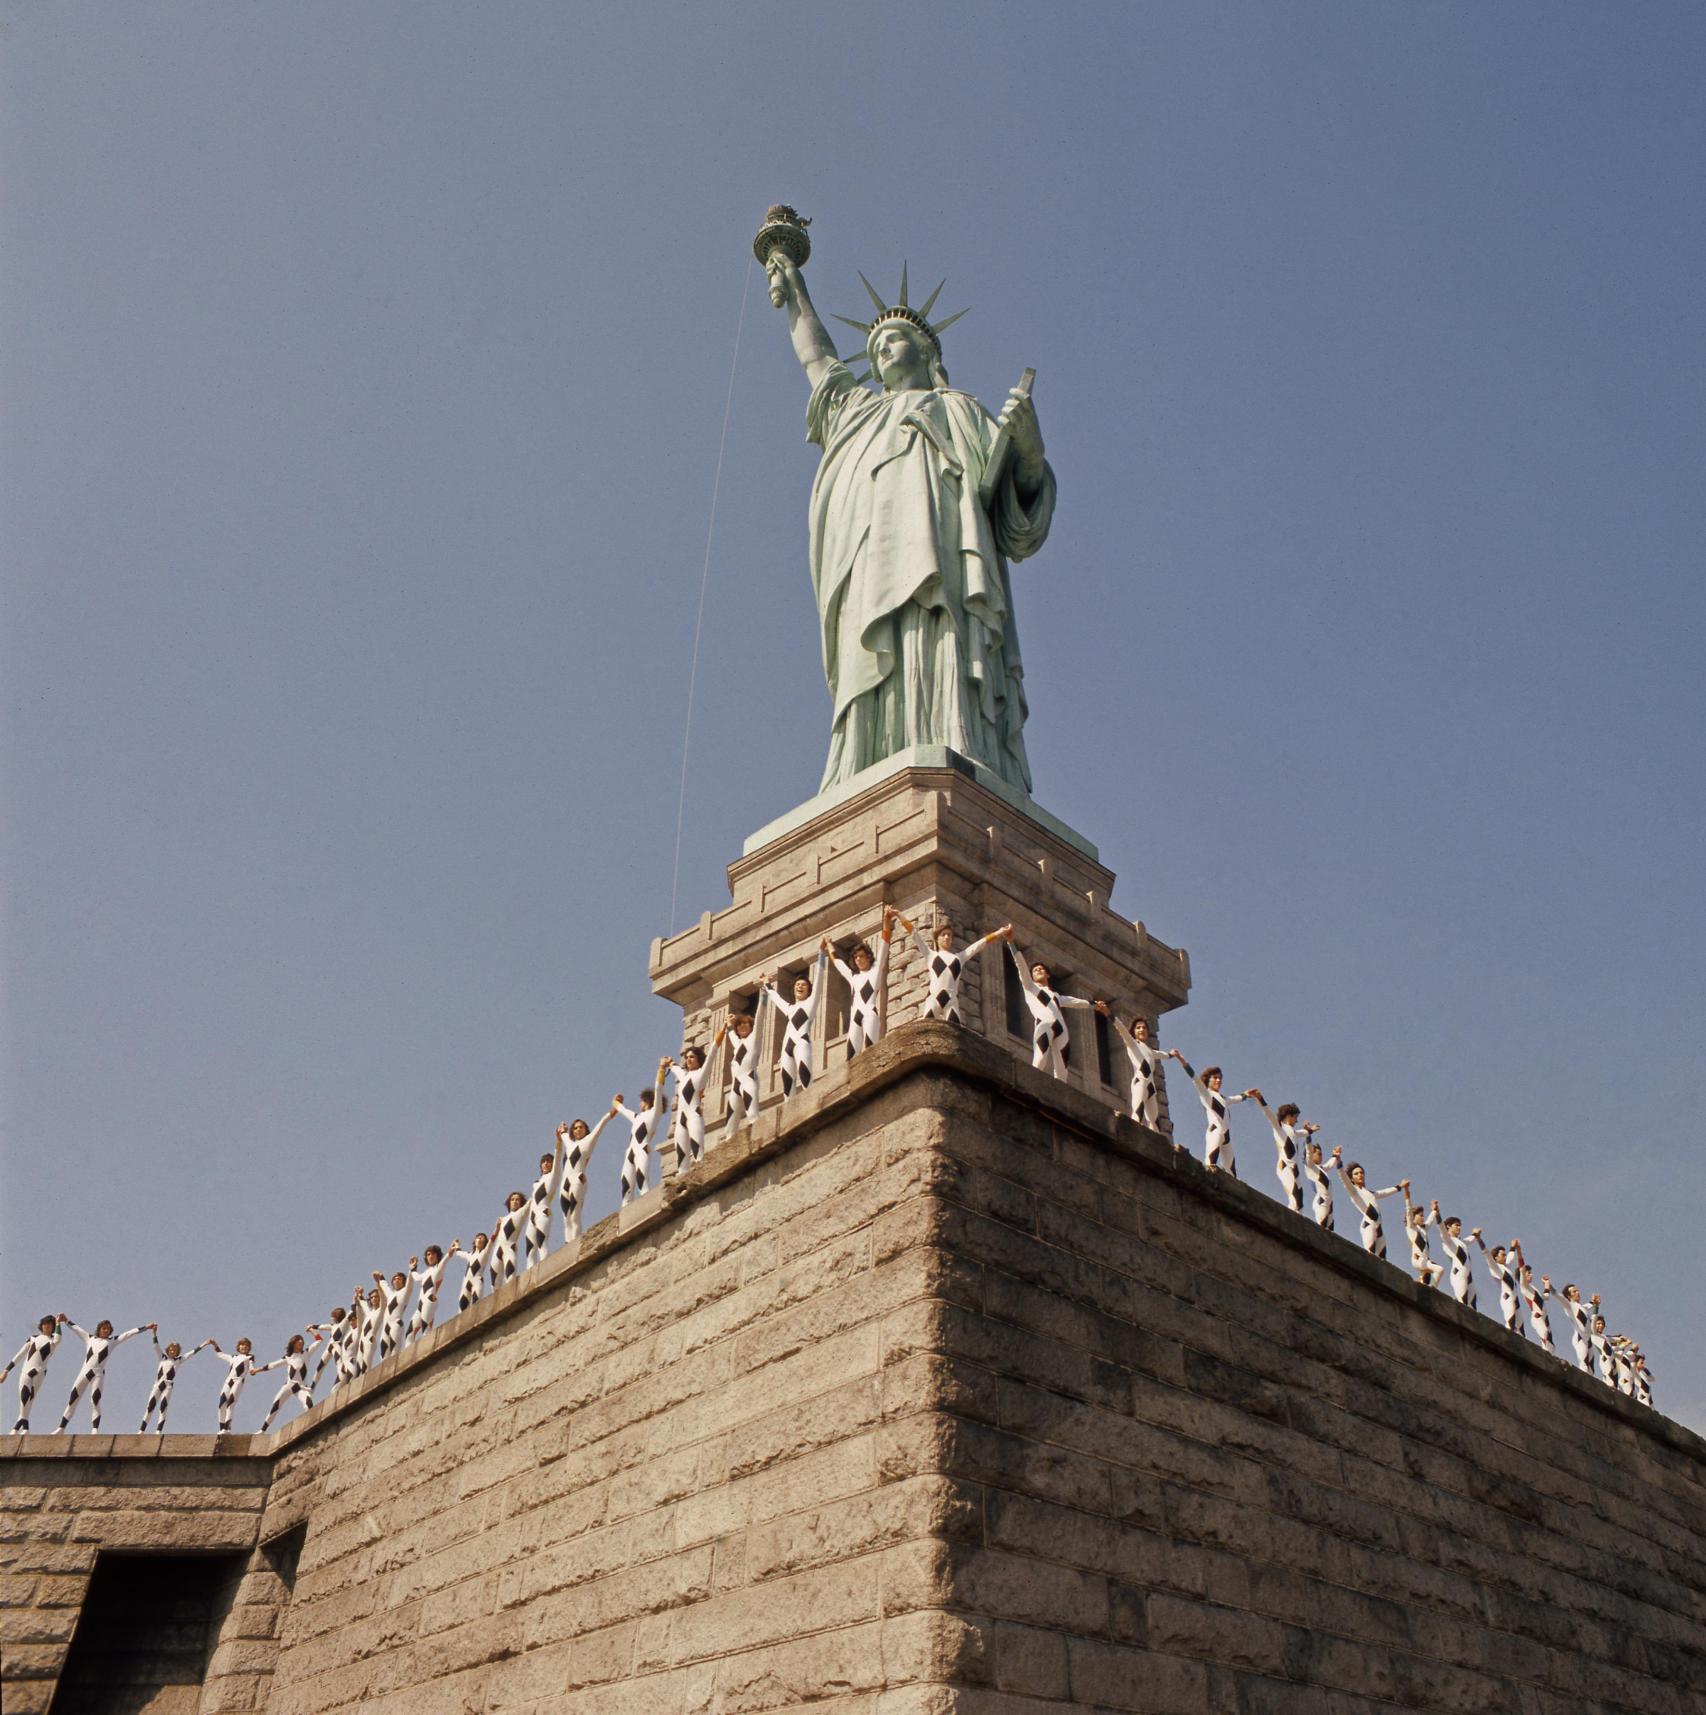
903,359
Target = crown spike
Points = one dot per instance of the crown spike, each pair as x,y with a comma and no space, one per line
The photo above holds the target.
863,327
930,302
903,285
876,296
948,321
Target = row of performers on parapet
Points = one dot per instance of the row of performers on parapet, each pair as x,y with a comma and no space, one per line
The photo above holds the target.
380,1320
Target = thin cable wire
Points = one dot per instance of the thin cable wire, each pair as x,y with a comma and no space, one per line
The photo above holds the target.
704,582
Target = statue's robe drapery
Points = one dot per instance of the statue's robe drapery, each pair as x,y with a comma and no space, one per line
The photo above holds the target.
910,571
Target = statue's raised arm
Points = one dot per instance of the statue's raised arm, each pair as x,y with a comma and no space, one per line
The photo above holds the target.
909,560
782,245
812,344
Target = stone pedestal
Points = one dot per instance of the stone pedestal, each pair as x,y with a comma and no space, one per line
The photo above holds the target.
934,836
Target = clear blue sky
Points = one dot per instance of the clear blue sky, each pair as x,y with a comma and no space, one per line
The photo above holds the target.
364,368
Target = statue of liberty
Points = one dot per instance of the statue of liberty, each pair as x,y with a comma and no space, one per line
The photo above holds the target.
920,500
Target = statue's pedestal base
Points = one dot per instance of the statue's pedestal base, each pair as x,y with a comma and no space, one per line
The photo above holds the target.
933,835
936,757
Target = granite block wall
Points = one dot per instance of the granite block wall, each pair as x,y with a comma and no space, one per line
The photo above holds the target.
943,1389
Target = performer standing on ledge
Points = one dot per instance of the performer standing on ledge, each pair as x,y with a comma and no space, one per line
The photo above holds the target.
547,1188
1539,1317
1315,1171
642,1128
577,1156
1367,1202
864,985
506,1238
31,1364
295,1361
1286,1128
1456,1254
741,1031
396,1297
1581,1324
428,1282
473,1272
799,1019
371,1308
240,1365
1427,1271
97,1348
165,1378
920,501
945,967
1600,1341
336,1335
1145,1061
1504,1273
1217,1140
1051,1042
691,1078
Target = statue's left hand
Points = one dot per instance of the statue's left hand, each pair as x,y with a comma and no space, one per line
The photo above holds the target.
1019,418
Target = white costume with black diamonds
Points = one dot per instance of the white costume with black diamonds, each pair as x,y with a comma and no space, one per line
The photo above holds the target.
165,1379
1051,1042
1368,1206
1600,1344
338,1338
1504,1273
97,1349
547,1188
506,1240
239,1366
1322,1189
1217,1139
1539,1318
1580,1313
31,1365
473,1277
391,1328
295,1382
644,1123
577,1157
428,1281
1145,1060
690,1088
943,971
368,1336
865,998
1427,1271
743,1068
1457,1259
798,1019
1287,1157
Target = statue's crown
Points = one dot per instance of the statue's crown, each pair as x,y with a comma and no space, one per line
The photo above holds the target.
901,311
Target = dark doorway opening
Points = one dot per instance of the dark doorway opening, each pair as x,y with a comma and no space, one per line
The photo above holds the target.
145,1634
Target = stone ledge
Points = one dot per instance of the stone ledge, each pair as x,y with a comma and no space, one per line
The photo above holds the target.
909,1050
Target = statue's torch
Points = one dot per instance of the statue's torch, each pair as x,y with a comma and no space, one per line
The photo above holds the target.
782,234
